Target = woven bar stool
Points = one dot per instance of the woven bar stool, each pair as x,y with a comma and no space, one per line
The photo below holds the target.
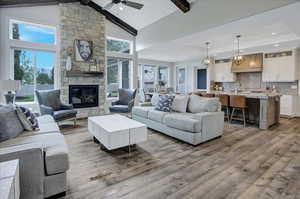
207,95
238,102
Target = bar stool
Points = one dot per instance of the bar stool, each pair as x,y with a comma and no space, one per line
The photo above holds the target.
224,99
207,95
238,102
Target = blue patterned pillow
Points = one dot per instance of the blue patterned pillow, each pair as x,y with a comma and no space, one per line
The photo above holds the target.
165,103
27,118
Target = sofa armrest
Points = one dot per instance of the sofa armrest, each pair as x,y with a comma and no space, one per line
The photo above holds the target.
115,103
212,124
46,110
66,106
31,167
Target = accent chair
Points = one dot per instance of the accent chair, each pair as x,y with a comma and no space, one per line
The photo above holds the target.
125,102
50,104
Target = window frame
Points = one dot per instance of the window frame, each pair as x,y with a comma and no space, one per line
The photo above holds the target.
118,55
15,21
13,44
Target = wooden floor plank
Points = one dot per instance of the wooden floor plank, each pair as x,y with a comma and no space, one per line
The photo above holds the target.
241,164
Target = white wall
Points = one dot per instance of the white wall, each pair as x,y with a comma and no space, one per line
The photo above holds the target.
47,15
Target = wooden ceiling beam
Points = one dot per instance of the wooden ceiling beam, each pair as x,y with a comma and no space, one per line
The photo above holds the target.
112,18
183,5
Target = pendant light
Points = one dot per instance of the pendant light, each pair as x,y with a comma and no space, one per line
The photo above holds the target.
207,60
238,59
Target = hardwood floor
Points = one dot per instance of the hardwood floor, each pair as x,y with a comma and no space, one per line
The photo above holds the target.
246,163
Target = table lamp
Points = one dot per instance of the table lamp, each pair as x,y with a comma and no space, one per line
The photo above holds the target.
10,86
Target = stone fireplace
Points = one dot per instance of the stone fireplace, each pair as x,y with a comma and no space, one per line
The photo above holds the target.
82,22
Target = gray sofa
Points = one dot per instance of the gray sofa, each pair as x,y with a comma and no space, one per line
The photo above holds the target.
43,156
193,128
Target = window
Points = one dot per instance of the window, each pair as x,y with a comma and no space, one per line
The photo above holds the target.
181,83
154,77
35,70
119,46
201,79
118,75
149,78
32,32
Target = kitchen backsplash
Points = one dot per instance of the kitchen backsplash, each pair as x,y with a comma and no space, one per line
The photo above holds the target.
253,81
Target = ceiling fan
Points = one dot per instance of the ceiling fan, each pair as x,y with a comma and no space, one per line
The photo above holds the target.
124,2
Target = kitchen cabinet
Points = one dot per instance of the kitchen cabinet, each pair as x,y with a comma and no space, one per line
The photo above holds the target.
222,72
288,105
280,68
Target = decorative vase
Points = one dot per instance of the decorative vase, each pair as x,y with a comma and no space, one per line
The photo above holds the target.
69,63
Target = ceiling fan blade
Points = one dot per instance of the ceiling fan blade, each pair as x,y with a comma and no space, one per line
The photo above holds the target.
108,6
133,4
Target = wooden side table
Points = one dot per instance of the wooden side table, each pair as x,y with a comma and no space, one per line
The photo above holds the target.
9,180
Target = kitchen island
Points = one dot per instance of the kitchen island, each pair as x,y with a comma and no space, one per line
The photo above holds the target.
263,107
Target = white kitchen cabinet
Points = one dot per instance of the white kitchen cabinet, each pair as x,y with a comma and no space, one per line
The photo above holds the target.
222,72
280,69
288,105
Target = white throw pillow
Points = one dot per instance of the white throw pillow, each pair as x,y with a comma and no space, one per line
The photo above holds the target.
155,99
199,104
180,103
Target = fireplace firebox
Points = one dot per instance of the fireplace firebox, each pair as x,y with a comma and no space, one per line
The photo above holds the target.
84,96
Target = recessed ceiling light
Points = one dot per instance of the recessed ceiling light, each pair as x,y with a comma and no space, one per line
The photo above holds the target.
274,33
121,8
276,45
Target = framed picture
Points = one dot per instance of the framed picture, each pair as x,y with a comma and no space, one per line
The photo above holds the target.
83,50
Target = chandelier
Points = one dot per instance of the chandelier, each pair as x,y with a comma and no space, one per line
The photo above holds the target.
238,59
207,60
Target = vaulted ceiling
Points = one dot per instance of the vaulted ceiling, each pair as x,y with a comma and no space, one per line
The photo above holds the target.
152,11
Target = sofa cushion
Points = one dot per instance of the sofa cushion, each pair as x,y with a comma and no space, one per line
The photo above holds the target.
154,99
199,104
27,118
164,104
142,111
157,116
180,103
64,114
45,119
10,125
183,121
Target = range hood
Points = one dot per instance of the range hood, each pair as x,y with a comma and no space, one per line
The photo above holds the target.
251,63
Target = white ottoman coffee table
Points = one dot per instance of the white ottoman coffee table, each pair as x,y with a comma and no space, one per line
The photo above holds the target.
116,131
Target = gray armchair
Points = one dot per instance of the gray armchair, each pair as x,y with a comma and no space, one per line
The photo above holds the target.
125,102
50,104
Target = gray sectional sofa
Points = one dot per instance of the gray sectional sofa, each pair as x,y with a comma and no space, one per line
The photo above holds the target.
43,156
192,127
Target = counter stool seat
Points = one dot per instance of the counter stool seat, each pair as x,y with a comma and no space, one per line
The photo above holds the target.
238,102
224,100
